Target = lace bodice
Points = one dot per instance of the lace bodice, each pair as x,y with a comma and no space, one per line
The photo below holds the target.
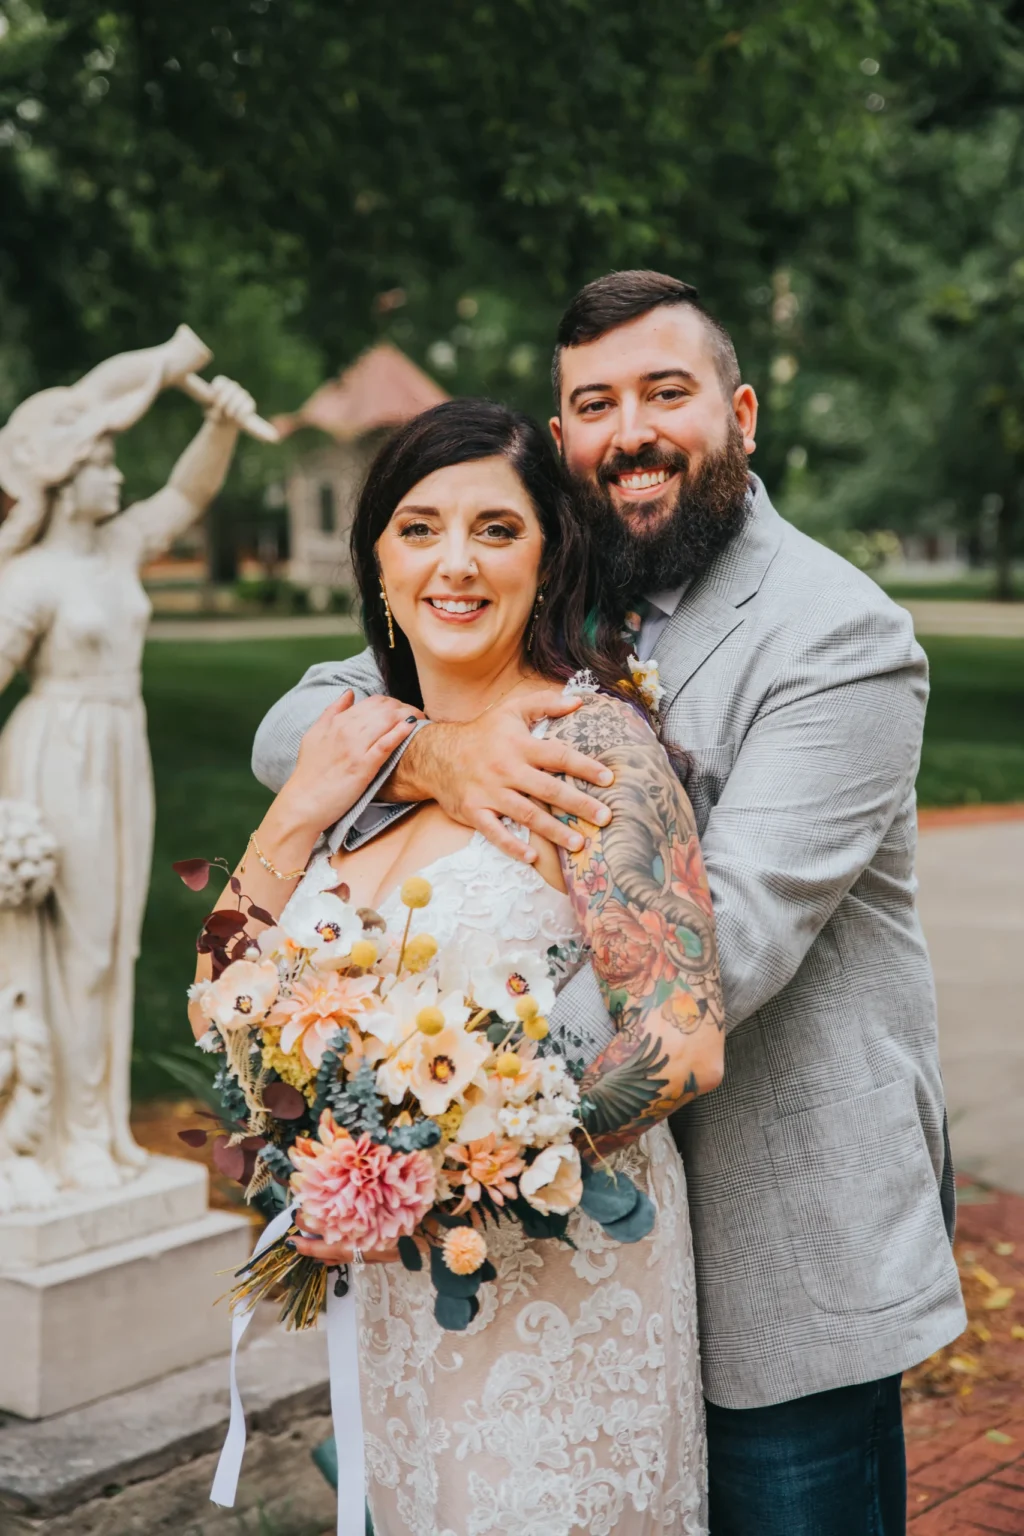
480,894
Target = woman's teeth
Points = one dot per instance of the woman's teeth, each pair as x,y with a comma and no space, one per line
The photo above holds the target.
644,481
455,605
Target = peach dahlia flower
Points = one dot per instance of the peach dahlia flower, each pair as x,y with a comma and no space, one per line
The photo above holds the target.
358,1192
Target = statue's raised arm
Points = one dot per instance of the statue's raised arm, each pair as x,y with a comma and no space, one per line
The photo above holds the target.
74,755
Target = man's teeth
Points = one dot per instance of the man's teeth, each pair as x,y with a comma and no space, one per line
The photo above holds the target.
642,482
455,605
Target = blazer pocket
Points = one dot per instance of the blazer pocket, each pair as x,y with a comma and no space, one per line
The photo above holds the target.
858,1190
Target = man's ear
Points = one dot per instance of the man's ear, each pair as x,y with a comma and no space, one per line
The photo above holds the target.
744,404
555,428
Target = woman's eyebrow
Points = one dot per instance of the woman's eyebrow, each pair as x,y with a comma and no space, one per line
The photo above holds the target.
420,511
501,512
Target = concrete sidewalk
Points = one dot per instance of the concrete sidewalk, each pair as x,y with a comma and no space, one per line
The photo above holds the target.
999,620
995,620
972,906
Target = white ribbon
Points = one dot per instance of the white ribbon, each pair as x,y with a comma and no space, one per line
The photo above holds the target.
225,1481
346,1409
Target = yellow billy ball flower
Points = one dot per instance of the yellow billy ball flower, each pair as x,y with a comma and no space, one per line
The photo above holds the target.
420,951
535,1028
364,953
508,1064
416,892
430,1021
526,1007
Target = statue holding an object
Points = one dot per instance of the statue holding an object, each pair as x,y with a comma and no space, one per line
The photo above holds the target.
76,792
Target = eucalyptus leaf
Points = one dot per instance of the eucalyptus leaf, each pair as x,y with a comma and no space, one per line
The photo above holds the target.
410,1254
454,1312
608,1197
631,1228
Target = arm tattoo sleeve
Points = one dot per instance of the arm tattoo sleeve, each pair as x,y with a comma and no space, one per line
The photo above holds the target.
641,894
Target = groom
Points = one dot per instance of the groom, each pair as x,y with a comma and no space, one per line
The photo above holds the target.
819,1176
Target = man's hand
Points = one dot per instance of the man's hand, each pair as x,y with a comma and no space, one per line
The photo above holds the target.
492,767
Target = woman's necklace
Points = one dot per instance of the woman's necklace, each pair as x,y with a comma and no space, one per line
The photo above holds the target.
503,696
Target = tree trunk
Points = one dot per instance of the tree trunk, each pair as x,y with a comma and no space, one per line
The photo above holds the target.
1006,528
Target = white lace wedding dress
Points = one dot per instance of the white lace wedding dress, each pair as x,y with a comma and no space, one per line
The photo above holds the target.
572,1403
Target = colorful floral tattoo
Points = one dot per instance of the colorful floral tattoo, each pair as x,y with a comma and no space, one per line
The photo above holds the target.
641,893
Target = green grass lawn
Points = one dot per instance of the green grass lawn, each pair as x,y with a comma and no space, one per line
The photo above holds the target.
974,586
205,701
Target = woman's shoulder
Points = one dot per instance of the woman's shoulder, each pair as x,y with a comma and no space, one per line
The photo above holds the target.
603,720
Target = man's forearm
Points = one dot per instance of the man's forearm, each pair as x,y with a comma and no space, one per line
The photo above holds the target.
421,768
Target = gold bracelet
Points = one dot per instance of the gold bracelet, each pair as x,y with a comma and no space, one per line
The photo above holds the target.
270,868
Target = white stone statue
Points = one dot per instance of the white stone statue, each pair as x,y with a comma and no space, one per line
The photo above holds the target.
73,615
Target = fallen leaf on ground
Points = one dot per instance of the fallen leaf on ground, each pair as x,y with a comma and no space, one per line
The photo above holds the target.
989,1281
1017,1332
1003,1249
999,1299
966,1365
998,1438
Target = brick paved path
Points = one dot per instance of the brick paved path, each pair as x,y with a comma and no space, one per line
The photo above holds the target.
965,1447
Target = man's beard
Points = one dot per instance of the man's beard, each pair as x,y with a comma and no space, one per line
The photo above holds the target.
710,510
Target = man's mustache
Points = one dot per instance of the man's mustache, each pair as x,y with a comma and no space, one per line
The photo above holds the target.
649,457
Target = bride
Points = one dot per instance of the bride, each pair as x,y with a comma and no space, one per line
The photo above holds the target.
572,1402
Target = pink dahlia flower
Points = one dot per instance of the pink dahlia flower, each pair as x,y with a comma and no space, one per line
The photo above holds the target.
359,1193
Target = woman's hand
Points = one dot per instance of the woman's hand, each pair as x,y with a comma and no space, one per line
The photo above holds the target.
341,755
336,1253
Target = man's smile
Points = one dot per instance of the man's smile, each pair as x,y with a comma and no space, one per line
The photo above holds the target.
641,485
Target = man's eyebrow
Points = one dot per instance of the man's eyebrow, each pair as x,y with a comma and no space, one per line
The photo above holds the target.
586,389
670,373
645,378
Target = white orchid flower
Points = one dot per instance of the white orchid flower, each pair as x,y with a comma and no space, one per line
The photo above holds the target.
402,1001
435,1068
323,924
499,984
244,994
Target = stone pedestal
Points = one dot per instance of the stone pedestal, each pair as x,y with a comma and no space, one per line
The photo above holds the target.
111,1290
141,1463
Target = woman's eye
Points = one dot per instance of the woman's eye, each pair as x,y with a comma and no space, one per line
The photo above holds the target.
416,531
496,531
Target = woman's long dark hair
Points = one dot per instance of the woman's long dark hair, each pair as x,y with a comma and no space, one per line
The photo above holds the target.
458,432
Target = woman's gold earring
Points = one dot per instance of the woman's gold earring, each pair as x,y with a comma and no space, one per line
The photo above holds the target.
387,614
533,621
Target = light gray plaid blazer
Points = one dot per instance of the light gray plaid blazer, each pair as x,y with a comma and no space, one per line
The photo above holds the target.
819,1177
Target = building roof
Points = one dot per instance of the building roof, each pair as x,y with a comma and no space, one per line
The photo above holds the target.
382,388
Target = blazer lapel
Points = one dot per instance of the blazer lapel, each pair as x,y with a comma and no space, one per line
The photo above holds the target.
713,608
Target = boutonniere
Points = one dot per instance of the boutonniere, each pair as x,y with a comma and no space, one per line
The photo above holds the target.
646,681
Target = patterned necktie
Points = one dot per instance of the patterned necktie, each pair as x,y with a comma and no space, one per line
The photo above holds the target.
633,619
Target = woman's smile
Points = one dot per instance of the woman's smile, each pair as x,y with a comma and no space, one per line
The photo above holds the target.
457,610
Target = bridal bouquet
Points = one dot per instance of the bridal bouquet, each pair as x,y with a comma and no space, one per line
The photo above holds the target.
403,1095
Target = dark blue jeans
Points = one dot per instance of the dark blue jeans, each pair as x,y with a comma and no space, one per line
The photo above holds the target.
832,1464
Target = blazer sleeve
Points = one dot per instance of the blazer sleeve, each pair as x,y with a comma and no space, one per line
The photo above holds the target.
829,760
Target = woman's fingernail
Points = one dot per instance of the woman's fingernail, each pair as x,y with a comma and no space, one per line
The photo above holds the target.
410,719
603,816
576,842
607,777
289,1244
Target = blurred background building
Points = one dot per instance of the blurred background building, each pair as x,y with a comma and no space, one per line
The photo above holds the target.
356,411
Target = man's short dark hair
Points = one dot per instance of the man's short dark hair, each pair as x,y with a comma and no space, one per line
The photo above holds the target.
619,297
